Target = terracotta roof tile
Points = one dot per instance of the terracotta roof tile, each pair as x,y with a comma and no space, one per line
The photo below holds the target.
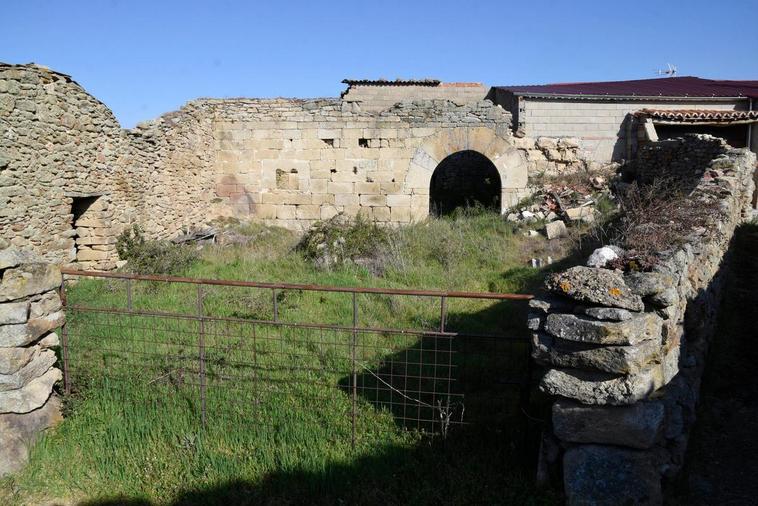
698,115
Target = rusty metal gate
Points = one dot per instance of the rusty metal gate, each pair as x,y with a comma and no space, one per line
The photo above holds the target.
224,350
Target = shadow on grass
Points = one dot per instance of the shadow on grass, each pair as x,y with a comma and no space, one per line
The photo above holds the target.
489,460
464,469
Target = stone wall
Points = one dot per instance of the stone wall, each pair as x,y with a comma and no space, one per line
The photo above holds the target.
625,352
291,162
71,179
61,148
684,159
383,95
30,309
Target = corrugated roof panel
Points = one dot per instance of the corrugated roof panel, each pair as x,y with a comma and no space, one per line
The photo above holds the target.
686,86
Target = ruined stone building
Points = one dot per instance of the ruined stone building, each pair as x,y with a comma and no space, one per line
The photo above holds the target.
71,178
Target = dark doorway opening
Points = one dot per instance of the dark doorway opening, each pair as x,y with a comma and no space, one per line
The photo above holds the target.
79,206
734,135
464,179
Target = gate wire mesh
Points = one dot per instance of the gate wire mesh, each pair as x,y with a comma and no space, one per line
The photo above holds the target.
229,350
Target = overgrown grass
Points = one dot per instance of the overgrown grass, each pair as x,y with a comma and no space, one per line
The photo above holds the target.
132,429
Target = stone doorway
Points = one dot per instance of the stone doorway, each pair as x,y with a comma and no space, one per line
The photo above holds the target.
95,241
464,179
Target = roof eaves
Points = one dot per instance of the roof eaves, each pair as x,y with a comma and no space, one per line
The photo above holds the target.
587,96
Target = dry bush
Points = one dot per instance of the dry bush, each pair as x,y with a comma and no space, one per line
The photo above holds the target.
654,218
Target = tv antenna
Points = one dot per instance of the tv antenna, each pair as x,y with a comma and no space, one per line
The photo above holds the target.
671,71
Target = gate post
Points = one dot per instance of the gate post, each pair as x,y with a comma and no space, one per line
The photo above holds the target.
201,347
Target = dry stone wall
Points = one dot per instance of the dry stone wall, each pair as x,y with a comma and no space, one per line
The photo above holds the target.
71,179
30,311
61,151
624,352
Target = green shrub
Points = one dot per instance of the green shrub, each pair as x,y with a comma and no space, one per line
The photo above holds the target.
340,240
145,256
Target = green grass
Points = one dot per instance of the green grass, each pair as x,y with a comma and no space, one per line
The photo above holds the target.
133,432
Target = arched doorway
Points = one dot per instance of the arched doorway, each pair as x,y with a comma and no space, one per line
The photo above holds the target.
464,179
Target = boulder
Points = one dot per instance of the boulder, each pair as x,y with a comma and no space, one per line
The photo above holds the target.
606,475
641,327
29,279
595,286
555,229
636,426
601,256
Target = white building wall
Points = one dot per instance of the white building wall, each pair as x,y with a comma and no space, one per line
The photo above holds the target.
598,124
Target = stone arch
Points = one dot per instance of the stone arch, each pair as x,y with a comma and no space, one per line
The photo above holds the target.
509,161
464,179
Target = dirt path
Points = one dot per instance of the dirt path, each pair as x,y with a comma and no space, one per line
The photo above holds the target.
722,461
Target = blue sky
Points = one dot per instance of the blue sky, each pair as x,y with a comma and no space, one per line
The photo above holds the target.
144,58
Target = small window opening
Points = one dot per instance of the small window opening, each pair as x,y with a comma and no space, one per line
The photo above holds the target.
329,142
362,143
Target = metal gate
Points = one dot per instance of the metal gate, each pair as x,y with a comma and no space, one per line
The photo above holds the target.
226,351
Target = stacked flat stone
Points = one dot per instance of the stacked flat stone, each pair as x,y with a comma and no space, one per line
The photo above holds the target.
624,352
30,310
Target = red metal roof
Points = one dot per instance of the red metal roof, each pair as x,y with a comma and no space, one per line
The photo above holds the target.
686,86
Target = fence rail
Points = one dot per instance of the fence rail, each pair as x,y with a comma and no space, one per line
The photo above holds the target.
228,352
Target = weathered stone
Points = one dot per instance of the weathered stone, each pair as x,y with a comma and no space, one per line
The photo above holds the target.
612,359
36,367
555,229
636,426
586,214
26,333
641,327
29,279
13,359
546,303
666,298
12,257
647,283
19,431
31,396
601,388
595,286
605,475
50,341
601,256
608,313
14,312
46,304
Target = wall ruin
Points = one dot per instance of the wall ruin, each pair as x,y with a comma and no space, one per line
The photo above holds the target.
625,352
286,162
